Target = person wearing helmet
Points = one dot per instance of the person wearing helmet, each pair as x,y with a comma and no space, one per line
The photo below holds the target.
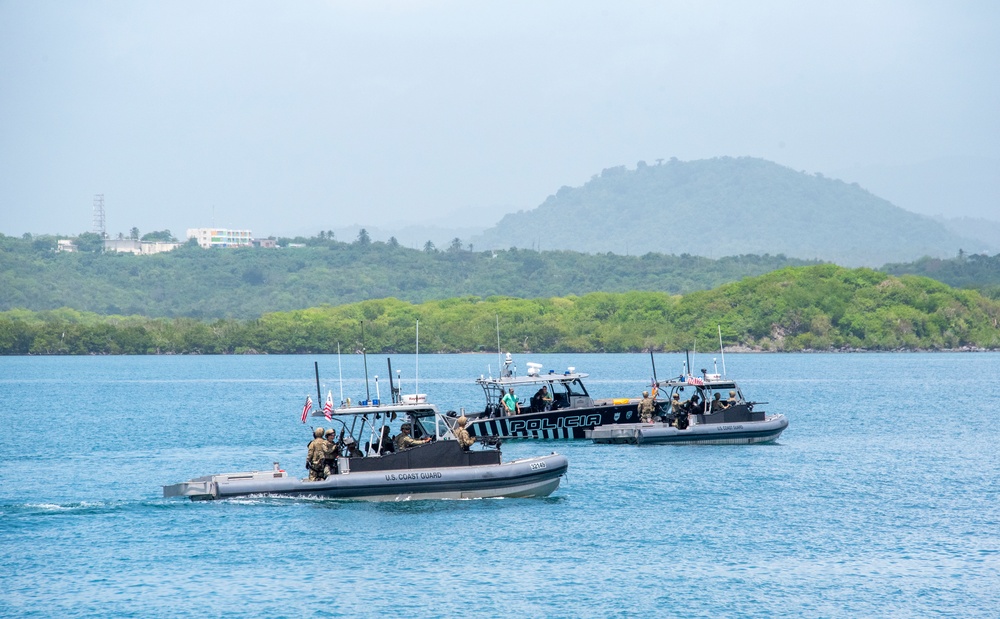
717,404
675,403
316,456
351,447
732,398
331,451
403,440
679,411
646,408
462,435
384,445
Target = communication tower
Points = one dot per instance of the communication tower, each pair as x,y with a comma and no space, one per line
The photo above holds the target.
99,215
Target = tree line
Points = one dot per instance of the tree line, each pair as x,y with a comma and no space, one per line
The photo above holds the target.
191,282
821,307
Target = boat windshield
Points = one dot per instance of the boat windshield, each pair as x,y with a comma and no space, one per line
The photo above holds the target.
575,388
431,425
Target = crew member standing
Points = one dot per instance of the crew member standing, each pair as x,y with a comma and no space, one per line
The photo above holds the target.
646,408
332,452
316,456
462,435
510,404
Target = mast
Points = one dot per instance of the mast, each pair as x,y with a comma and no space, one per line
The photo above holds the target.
364,353
319,396
499,352
394,392
340,370
416,365
722,351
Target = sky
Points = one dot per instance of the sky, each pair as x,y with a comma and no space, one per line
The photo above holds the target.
291,118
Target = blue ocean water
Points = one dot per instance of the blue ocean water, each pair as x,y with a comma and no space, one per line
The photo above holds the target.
881,499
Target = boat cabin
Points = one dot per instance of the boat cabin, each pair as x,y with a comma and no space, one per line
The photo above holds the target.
364,425
710,400
566,391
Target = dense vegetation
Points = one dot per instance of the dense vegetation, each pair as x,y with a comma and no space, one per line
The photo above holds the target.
820,307
722,207
976,271
245,283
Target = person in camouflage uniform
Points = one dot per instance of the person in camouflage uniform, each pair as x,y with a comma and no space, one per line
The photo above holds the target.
316,456
675,403
732,399
385,445
717,404
646,408
331,451
679,411
462,435
351,447
403,440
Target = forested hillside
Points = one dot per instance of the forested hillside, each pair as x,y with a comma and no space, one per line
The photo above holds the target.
245,283
816,308
976,271
727,206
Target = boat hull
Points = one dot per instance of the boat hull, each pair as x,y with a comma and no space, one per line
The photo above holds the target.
738,433
531,477
564,423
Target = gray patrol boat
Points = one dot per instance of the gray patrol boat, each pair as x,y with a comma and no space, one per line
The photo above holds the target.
710,410
440,469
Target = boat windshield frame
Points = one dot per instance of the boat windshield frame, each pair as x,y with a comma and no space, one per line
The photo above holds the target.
374,417
704,388
570,384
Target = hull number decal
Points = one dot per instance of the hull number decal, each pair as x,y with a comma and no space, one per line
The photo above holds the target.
537,465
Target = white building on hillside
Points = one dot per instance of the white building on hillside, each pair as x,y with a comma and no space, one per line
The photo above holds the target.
220,237
132,246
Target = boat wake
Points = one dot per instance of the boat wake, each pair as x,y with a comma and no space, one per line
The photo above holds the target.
43,509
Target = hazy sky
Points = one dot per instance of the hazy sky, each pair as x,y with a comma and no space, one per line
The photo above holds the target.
295,117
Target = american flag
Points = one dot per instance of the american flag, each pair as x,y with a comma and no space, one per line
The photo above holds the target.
305,409
328,407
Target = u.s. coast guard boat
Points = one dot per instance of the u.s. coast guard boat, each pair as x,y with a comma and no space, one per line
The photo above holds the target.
705,410
565,411
439,469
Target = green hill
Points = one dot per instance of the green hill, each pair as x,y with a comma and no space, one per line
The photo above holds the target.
248,282
816,308
976,271
722,207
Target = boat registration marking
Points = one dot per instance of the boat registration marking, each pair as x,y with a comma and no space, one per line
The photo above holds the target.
537,465
570,421
405,476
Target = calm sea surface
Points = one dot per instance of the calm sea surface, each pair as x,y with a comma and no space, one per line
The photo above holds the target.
880,500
